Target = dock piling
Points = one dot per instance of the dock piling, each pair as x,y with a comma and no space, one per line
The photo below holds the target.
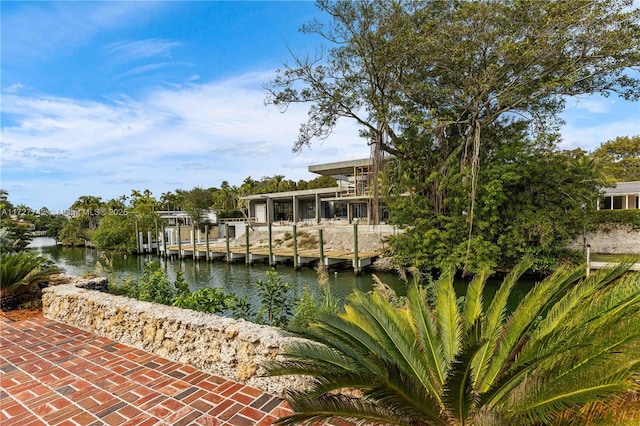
356,261
270,246
226,235
296,264
246,240
321,246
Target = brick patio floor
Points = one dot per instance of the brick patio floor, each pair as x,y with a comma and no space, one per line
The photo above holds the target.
55,374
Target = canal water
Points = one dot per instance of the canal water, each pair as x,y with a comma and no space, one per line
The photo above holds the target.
237,277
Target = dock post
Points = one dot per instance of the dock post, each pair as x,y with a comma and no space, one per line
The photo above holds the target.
206,241
295,248
321,245
226,235
193,241
356,268
179,243
149,238
246,243
157,241
164,241
137,238
270,246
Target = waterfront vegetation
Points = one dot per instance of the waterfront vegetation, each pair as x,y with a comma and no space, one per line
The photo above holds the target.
464,100
276,304
440,359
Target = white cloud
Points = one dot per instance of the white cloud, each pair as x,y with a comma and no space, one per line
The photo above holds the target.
197,135
41,30
131,51
591,137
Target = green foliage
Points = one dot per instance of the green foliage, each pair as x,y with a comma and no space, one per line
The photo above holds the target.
116,232
276,302
432,83
73,234
530,201
306,310
152,286
620,158
309,308
208,299
440,359
21,271
601,219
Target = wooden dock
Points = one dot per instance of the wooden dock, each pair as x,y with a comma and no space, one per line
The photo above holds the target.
610,265
271,256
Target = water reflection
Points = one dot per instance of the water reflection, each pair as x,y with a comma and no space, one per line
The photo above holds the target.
239,278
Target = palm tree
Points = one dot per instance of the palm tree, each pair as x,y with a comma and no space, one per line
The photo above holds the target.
20,272
440,361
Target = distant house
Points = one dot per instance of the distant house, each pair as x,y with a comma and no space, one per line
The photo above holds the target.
350,199
625,196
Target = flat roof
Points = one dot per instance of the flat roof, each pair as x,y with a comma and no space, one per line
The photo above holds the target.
624,188
289,194
340,167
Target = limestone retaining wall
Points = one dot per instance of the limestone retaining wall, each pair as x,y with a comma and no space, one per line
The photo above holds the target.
232,349
612,239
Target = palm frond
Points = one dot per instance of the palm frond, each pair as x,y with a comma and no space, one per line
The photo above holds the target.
473,300
492,322
449,321
496,310
423,320
516,331
315,410
388,326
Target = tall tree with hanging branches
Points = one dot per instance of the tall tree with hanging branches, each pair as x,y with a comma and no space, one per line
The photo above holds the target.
446,71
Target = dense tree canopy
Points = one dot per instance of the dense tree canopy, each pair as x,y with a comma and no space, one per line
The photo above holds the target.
435,81
620,158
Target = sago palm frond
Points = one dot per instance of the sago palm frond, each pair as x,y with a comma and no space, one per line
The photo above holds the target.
449,319
572,340
22,269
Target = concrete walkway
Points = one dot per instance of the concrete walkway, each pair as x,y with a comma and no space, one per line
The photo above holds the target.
55,374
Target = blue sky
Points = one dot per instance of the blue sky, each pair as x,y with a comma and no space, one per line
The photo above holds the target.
98,98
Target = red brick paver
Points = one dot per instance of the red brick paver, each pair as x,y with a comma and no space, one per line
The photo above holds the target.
55,374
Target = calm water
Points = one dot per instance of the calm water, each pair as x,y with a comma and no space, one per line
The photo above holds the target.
237,278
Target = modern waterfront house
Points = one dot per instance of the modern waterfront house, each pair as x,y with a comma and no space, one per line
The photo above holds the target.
624,196
351,199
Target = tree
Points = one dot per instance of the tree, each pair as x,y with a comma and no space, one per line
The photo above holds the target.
225,199
142,211
436,76
531,200
197,203
437,361
620,158
116,232
89,209
73,234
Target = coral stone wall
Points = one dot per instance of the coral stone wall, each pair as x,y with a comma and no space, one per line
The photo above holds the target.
611,240
232,349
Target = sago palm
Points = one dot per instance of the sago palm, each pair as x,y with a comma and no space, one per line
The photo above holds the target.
21,270
441,361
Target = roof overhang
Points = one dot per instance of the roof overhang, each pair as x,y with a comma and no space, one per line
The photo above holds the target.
623,188
290,194
340,167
